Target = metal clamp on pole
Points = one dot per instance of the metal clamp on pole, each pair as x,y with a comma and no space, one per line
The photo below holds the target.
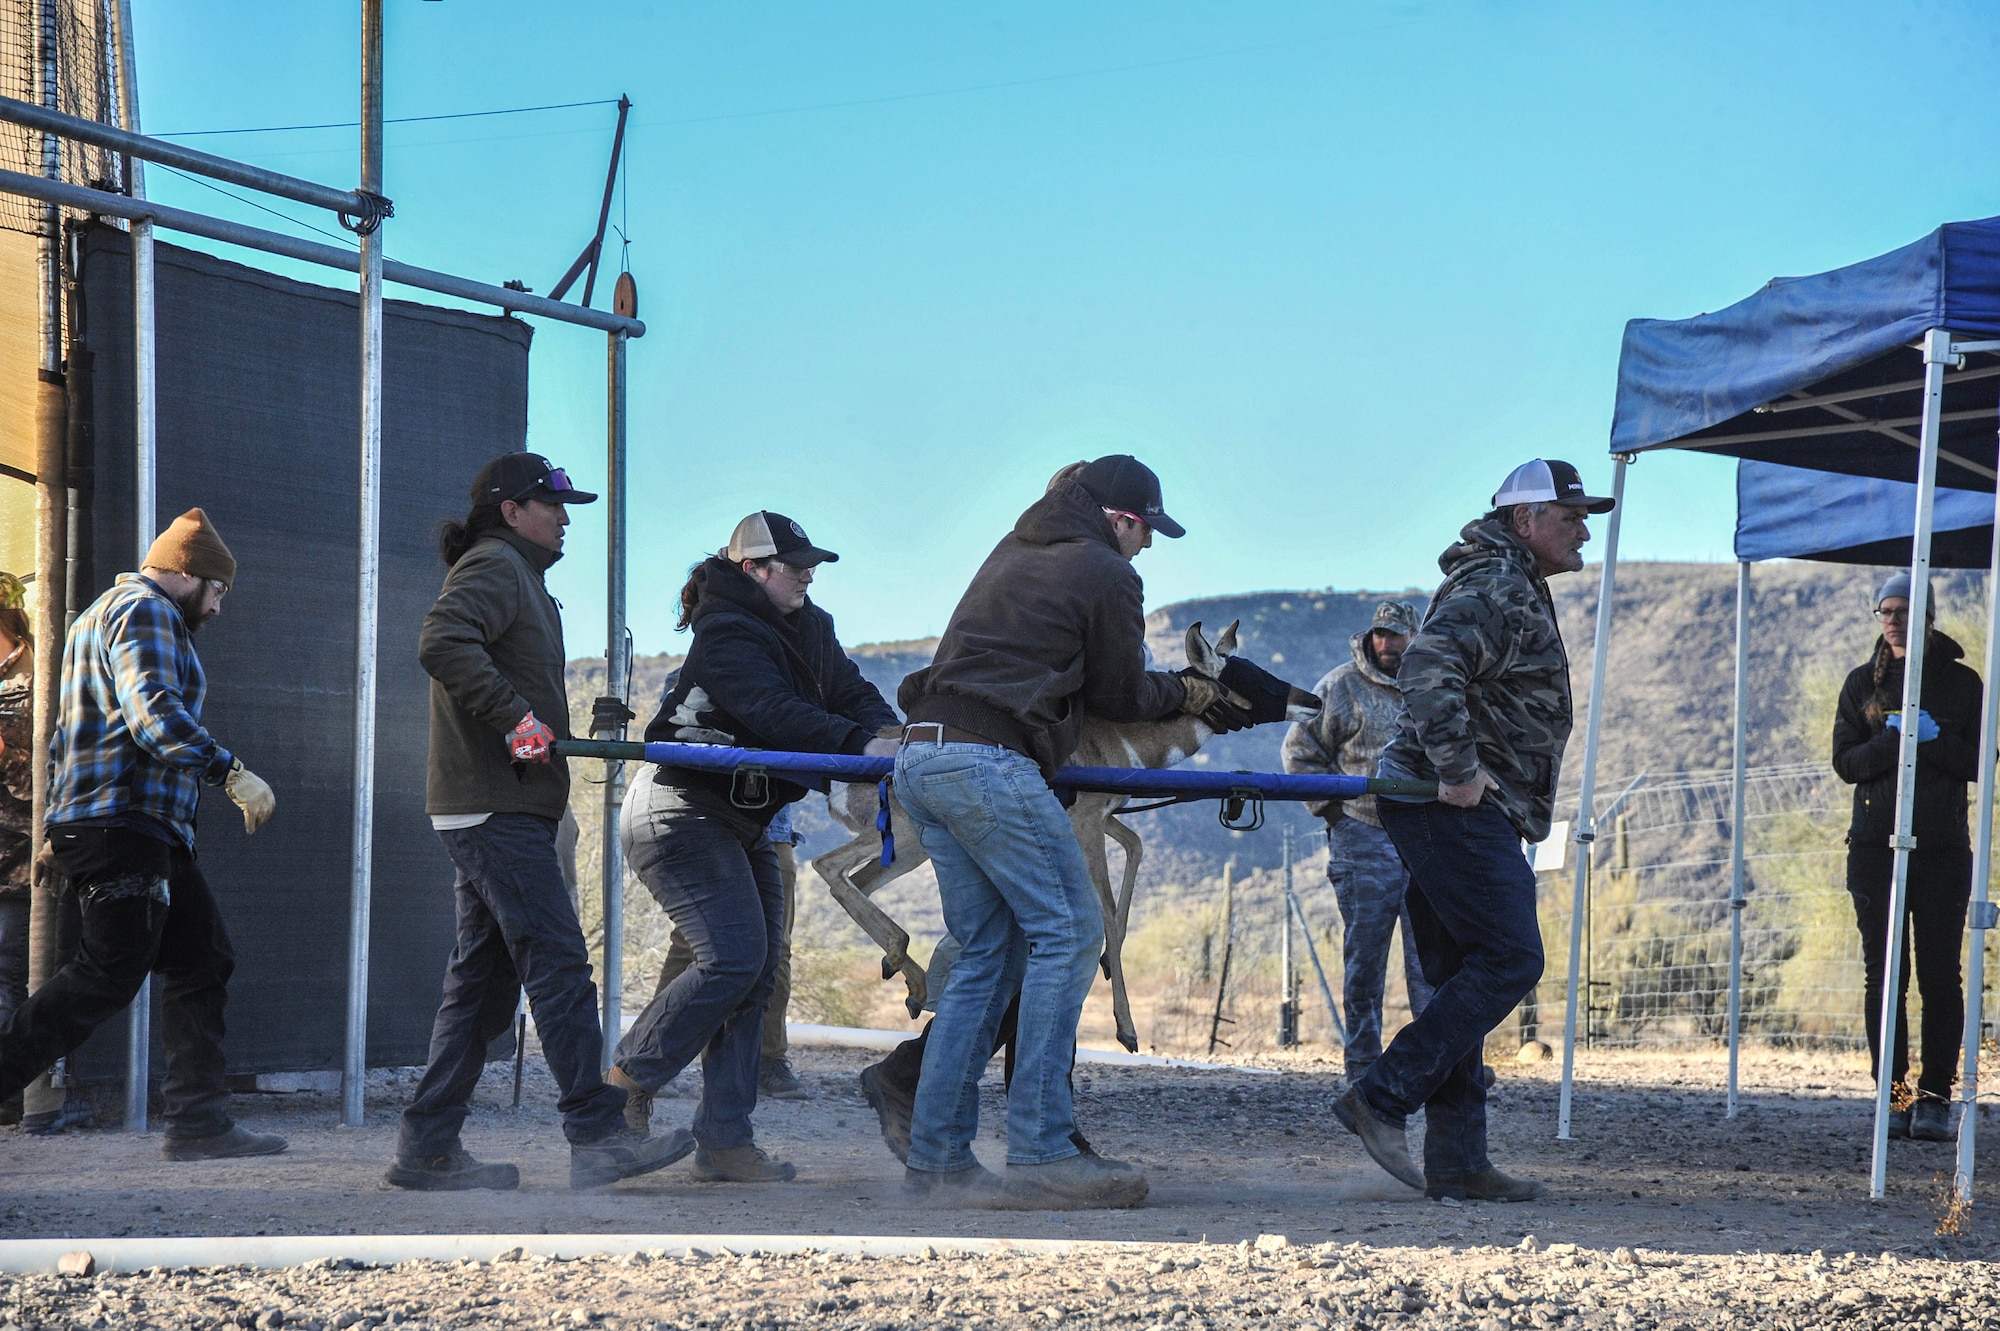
1986,915
1231,811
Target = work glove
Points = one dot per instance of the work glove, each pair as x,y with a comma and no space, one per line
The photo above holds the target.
702,735
1221,708
251,794
1927,727
530,740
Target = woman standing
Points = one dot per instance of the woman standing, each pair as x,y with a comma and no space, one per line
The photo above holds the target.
1866,737
766,671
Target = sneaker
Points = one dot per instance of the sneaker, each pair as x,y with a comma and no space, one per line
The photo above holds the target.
893,1106
1386,1146
623,1153
1075,1183
638,1100
455,1171
976,1186
740,1164
1930,1119
777,1081
234,1144
1488,1185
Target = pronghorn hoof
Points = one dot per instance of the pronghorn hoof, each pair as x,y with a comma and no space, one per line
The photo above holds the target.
1129,1040
1104,964
915,1005
889,967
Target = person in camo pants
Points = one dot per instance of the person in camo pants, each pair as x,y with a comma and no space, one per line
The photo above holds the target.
1360,700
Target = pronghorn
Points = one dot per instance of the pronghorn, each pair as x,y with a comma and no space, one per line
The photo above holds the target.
853,872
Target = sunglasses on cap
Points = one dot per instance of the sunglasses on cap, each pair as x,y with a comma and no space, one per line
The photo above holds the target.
1124,513
557,481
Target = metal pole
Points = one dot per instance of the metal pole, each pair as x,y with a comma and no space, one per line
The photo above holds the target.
1312,952
615,684
1937,351
1739,761
1982,868
354,1072
1228,949
1288,1033
1585,831
107,204
55,124
139,1030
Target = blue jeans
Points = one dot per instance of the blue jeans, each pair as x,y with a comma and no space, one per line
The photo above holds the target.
1019,899
1472,906
517,928
715,873
1370,884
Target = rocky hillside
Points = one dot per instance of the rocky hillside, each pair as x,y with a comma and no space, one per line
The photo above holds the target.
1669,678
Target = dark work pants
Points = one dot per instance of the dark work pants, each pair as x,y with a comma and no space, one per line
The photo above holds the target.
1472,904
143,908
517,928
1939,886
15,913
716,875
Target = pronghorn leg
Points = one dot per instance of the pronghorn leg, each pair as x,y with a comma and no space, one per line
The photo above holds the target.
1088,819
852,872
1120,919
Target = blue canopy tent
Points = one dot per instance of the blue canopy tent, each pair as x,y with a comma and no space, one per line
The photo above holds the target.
1884,369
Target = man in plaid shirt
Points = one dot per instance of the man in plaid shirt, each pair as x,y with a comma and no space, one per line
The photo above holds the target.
127,761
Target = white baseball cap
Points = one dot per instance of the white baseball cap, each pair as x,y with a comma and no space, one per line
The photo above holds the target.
1548,482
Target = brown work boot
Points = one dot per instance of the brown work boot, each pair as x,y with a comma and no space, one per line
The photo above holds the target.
237,1142
1387,1146
1488,1185
638,1100
740,1164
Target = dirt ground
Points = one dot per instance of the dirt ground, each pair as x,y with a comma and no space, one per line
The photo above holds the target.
1654,1169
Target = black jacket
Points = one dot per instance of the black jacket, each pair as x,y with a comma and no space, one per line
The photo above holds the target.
1053,626
1864,752
768,679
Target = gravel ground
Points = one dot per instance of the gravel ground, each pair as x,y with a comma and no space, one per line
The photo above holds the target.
1662,1213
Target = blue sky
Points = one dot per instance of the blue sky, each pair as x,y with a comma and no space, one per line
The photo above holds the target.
1331,270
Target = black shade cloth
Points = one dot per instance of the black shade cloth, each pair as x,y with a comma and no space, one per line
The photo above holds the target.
259,423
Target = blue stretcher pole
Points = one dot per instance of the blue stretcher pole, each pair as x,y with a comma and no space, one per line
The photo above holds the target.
1166,782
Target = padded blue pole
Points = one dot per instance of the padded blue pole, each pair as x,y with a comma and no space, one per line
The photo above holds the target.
1110,780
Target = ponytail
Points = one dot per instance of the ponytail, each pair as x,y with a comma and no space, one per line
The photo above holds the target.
455,538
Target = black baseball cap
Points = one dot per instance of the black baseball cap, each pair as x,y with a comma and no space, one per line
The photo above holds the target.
1548,481
523,476
1123,482
768,535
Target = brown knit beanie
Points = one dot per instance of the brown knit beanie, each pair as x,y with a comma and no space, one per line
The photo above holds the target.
191,546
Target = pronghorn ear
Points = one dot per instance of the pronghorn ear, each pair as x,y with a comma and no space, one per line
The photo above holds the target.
1199,654
1225,646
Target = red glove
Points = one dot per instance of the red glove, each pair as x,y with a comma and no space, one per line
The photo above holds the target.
530,741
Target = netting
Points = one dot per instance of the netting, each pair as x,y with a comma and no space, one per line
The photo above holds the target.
56,52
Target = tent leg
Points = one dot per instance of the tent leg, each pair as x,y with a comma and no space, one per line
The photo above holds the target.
1937,352
1982,868
354,1070
1739,756
1585,831
615,684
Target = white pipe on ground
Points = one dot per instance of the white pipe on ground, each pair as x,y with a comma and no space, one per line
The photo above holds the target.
854,1037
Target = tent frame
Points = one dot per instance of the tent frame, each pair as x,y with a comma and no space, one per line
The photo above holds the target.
363,211
1940,350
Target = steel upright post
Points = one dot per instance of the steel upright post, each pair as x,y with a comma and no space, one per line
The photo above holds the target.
1585,831
1738,760
354,1071
1937,351
615,684
145,468
1983,913
1288,1016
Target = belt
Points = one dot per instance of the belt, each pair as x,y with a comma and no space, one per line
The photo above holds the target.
936,732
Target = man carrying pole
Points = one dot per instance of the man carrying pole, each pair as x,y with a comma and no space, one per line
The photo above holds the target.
493,646
1486,713
126,766
1360,701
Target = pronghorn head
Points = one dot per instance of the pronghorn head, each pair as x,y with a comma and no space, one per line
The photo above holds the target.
1270,698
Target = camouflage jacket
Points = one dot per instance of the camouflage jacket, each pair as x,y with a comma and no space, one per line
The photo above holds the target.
1486,681
17,779
1358,707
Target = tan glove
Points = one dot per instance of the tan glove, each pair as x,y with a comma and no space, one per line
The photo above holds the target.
1215,703
252,795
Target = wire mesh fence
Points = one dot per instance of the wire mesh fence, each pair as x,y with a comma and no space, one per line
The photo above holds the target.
56,53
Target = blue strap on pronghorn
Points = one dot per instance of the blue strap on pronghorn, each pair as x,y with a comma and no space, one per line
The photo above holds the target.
882,823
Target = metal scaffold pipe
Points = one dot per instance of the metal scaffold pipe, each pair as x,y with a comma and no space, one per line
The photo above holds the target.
56,124
616,685
354,1072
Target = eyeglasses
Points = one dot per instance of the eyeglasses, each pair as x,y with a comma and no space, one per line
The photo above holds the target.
803,572
557,480
1893,616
